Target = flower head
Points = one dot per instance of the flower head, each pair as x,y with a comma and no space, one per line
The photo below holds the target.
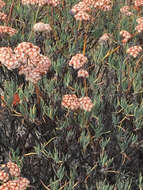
70,101
7,30
82,15
2,4
81,6
126,11
86,103
134,51
138,3
17,184
14,170
3,16
8,58
41,27
126,36
27,50
78,61
139,27
82,73
34,2
35,69
4,176
104,5
139,20
54,3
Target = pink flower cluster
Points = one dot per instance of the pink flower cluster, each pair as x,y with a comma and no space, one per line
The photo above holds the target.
27,58
77,62
81,9
125,10
70,101
134,51
3,16
139,27
138,3
11,171
7,30
2,4
126,36
104,5
53,3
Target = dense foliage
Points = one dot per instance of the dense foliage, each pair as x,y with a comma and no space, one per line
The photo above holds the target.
59,148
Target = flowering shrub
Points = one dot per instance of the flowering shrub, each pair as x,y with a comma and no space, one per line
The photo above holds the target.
71,91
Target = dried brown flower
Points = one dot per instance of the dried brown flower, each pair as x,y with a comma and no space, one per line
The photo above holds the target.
105,39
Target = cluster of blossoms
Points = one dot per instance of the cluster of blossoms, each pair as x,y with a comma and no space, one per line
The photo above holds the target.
82,73
53,3
134,51
27,58
7,30
81,15
126,36
3,16
41,27
10,177
138,3
81,9
77,62
8,59
104,5
126,11
2,4
70,101
139,27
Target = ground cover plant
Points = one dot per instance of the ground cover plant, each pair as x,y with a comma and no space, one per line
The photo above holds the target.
71,88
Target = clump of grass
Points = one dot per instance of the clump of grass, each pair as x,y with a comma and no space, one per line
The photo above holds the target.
60,147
